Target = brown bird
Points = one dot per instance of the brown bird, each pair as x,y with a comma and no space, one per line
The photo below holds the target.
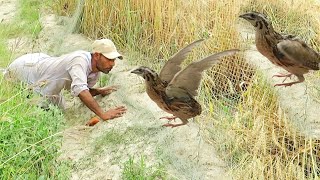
286,51
173,90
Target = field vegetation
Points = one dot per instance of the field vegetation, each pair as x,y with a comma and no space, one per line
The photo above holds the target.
249,127
30,137
246,124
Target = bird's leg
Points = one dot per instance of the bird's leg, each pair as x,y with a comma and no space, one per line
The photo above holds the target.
176,125
283,75
170,118
300,80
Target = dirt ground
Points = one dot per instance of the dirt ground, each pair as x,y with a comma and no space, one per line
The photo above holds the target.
100,152
7,9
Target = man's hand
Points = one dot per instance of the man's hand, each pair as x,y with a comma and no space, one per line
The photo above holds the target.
114,113
107,90
86,97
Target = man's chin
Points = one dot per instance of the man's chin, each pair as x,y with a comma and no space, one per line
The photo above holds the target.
106,71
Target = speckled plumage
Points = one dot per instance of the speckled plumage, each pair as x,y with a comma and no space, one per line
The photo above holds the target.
173,90
286,51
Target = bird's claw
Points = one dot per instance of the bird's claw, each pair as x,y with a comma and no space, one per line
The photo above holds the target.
169,118
174,125
283,75
169,125
284,84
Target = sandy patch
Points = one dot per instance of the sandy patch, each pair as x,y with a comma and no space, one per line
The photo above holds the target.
7,10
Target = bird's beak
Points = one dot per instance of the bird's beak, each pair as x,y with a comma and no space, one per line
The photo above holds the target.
136,71
244,16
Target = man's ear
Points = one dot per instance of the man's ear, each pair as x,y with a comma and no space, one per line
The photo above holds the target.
96,55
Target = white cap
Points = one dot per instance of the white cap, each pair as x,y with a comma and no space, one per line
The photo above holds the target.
107,48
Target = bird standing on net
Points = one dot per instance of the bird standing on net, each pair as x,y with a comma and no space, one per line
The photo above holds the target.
173,90
286,51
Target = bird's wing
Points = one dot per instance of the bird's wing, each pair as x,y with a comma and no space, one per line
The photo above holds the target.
299,53
187,81
172,66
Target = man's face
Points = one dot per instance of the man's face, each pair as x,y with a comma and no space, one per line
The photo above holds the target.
104,64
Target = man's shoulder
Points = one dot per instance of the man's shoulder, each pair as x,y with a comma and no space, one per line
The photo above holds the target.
77,57
80,53
82,58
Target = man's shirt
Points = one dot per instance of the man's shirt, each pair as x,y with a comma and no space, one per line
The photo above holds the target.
49,75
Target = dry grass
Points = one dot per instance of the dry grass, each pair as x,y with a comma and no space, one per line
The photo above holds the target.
163,27
259,142
65,7
291,17
249,127
160,27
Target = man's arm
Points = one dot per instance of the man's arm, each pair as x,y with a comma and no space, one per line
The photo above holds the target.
86,97
103,91
79,87
91,103
94,91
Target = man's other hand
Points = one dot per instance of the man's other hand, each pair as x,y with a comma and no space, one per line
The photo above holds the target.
108,90
114,113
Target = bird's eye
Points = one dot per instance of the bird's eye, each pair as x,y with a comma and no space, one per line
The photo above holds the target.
252,15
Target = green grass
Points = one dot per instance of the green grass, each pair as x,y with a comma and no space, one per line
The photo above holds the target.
112,141
104,80
140,171
110,138
26,23
28,18
6,32
29,136
4,53
113,138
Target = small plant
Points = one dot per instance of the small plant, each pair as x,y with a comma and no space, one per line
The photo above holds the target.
103,80
139,170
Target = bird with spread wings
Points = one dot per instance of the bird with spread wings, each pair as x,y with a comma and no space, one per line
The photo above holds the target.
174,89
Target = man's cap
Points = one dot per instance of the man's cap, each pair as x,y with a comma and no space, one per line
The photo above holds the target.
107,48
